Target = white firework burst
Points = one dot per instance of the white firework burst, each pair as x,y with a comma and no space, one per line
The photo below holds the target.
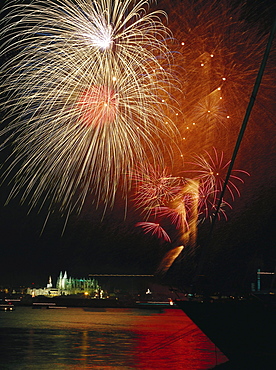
86,86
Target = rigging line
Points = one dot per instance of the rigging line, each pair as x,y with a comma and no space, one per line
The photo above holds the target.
239,139
246,117
171,338
195,330
167,341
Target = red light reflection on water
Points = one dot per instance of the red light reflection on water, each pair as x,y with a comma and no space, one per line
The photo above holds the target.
111,339
170,339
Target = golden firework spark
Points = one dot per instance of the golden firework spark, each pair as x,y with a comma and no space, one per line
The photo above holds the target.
168,260
86,89
219,53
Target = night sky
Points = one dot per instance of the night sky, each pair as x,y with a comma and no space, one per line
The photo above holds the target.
112,244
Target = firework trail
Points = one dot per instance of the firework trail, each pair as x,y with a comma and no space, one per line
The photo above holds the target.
168,260
219,54
164,196
86,87
160,195
185,202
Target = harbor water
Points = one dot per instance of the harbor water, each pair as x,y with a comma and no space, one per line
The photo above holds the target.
103,339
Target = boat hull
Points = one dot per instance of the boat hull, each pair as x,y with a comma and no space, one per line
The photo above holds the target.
244,330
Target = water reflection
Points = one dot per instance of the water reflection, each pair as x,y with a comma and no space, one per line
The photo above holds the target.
171,340
115,339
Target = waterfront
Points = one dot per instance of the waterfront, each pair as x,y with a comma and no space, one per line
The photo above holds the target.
77,338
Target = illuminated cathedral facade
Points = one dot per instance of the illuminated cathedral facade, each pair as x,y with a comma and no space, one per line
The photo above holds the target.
69,286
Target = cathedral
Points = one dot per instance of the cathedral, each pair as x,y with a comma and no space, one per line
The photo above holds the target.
67,285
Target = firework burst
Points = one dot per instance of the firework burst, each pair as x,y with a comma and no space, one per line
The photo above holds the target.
154,229
219,54
165,197
211,172
184,203
155,187
207,204
85,91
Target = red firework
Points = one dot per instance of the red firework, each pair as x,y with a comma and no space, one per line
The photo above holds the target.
211,172
173,214
154,187
154,229
99,106
207,204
